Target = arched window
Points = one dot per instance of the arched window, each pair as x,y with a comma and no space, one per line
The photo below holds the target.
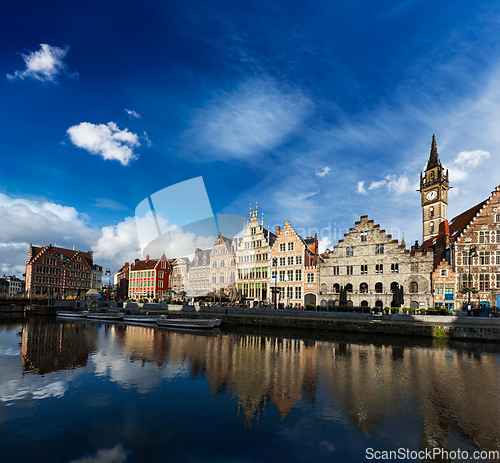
379,304
364,303
336,288
431,227
431,211
394,286
363,288
379,287
348,287
323,287
413,287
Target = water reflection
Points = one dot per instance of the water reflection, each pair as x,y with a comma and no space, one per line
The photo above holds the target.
451,390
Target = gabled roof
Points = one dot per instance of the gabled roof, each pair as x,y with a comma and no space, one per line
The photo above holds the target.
457,225
68,253
144,265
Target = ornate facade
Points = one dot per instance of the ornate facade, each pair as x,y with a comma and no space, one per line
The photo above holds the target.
369,268
253,259
223,263
294,267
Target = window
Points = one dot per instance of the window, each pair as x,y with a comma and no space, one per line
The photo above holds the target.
498,236
310,277
298,260
438,288
497,262
431,211
497,218
160,284
160,274
349,269
498,280
289,292
484,258
363,288
336,270
431,227
379,287
290,246
298,275
364,269
282,275
298,292
379,268
413,287
163,265
484,237
282,247
394,268
282,261
349,252
444,273
379,249
364,236
484,282
290,260
289,275
336,288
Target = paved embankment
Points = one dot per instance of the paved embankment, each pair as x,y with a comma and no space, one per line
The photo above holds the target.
430,326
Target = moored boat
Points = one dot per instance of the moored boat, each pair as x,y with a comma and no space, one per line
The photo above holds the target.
72,313
140,318
189,322
109,316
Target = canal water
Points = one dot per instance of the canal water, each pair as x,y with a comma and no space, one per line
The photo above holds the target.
85,392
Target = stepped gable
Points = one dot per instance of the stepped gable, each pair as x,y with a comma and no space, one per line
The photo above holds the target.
457,225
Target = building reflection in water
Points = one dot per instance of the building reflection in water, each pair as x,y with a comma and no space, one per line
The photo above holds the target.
452,388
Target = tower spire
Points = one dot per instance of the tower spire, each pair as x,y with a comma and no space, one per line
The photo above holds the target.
434,156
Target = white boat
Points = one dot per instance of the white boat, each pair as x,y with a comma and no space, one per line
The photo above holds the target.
105,316
189,322
140,318
72,313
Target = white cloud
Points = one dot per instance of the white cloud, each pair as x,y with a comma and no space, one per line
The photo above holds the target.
361,187
464,163
148,141
118,244
105,140
324,243
132,114
399,184
256,118
43,65
109,204
323,172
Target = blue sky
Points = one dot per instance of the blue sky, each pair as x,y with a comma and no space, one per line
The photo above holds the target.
322,112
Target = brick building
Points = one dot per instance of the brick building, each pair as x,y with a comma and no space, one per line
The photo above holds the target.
121,282
149,278
58,272
294,264
369,268
444,286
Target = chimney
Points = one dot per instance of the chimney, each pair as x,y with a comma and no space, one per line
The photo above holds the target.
277,231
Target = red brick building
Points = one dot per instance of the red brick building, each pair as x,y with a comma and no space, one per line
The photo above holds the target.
149,278
58,272
122,281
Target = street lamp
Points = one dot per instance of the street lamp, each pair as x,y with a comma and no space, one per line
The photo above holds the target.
472,253
108,272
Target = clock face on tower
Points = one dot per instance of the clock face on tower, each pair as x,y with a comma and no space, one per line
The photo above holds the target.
431,195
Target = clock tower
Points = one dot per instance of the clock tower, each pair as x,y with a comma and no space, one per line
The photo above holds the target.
434,188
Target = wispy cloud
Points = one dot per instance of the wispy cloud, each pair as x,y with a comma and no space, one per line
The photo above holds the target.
43,65
132,114
109,204
117,454
323,172
105,140
257,117
398,185
361,187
